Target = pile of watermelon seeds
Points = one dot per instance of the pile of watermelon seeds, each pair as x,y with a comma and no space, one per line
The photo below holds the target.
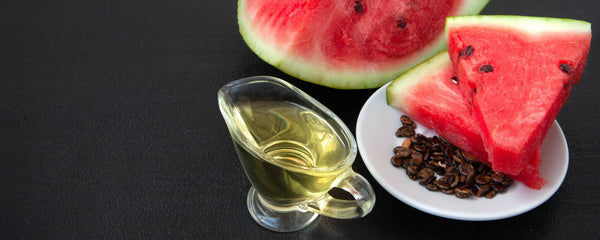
441,166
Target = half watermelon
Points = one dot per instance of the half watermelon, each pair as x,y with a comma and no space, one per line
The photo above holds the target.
348,44
516,73
429,94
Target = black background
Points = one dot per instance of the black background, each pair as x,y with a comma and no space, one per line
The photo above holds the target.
109,128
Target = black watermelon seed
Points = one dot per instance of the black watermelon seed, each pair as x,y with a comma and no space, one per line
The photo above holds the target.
358,7
401,22
454,80
467,51
566,68
474,90
486,68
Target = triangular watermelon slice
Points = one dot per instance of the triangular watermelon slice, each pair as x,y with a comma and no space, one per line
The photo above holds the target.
515,74
348,44
429,95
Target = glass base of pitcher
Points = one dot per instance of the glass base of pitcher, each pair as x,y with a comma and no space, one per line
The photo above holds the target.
280,221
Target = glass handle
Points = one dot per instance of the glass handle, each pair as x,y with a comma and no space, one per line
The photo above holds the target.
358,187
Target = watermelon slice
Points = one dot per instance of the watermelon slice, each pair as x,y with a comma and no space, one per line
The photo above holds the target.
429,95
348,44
516,73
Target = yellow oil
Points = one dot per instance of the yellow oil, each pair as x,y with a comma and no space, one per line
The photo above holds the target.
292,155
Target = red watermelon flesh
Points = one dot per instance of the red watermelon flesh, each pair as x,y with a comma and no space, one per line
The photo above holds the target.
515,74
428,94
348,44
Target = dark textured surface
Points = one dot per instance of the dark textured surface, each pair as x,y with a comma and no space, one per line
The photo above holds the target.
109,128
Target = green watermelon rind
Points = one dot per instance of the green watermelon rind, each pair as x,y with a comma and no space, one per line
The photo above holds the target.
527,24
398,89
341,78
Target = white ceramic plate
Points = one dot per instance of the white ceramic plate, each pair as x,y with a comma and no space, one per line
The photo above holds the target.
375,132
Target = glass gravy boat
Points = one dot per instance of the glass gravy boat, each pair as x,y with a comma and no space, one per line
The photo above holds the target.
294,151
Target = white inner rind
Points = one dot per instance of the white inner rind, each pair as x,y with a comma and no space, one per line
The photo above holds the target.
395,92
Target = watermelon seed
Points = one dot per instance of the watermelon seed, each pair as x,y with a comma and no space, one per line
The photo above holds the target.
358,7
407,143
497,177
405,131
453,178
442,183
490,194
427,180
482,179
397,161
412,171
425,173
406,121
466,51
566,68
420,148
455,80
415,154
463,192
483,190
466,169
486,68
448,191
432,187
403,152
498,187
401,23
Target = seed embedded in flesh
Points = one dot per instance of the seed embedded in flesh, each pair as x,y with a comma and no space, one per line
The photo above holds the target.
401,23
486,68
454,80
467,51
566,68
358,7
